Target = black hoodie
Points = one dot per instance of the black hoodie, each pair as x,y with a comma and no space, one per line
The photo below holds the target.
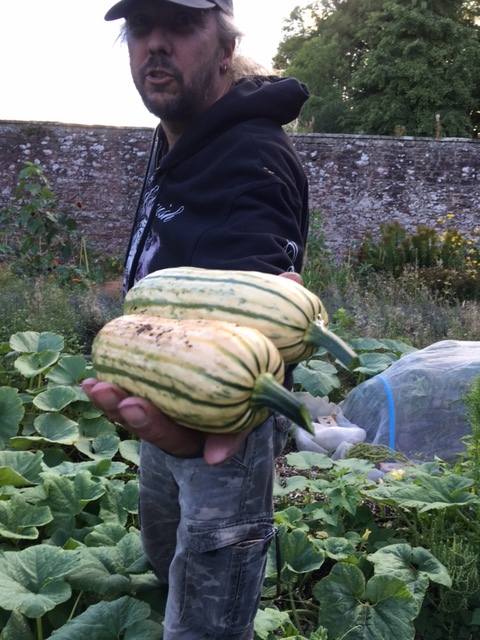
231,193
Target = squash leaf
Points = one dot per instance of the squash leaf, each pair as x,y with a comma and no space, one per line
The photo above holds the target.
20,469
69,370
110,619
317,377
32,580
382,608
55,398
11,414
19,519
35,342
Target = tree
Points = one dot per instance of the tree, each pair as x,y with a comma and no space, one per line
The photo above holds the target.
385,67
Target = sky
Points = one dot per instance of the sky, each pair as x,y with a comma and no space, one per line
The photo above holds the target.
62,62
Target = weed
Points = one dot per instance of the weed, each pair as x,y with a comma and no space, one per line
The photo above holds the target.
36,234
471,458
44,304
322,272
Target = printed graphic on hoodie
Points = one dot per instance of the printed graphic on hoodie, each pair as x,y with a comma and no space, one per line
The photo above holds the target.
292,251
153,242
144,212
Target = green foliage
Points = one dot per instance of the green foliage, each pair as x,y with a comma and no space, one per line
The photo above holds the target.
418,306
322,378
380,608
71,556
394,249
439,510
46,304
36,235
422,60
388,252
47,276
472,441
400,556
37,239
449,613
387,68
71,553
359,559
321,268
446,261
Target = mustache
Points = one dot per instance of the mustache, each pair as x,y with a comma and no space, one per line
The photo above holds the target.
159,64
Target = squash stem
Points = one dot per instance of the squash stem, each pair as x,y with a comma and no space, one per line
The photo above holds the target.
267,392
317,333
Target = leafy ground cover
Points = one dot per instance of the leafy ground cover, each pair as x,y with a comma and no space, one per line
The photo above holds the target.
352,558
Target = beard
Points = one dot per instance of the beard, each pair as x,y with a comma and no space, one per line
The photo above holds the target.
188,100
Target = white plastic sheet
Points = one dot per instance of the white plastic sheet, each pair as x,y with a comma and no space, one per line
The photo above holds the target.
334,434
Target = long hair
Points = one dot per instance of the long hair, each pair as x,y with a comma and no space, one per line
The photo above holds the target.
241,66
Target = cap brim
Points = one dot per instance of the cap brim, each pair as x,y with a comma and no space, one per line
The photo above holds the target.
118,10
122,8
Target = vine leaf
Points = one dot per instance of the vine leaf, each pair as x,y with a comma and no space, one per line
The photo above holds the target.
382,608
32,581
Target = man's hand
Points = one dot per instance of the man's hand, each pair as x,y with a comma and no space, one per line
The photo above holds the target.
141,418
292,275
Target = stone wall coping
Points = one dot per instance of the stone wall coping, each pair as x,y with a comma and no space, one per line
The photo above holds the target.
46,123
361,136
293,134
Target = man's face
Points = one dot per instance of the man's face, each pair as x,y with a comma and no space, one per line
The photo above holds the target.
175,59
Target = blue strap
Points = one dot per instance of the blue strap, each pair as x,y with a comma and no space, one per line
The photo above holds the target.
391,413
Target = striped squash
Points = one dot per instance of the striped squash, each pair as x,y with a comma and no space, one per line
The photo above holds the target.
207,375
286,312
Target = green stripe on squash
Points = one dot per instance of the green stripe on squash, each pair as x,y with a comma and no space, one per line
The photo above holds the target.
207,375
286,312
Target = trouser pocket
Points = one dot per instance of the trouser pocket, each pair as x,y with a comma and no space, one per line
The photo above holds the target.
224,576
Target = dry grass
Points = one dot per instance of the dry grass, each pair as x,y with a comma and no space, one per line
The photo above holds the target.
380,306
44,304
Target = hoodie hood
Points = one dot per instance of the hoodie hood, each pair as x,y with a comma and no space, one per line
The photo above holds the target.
278,100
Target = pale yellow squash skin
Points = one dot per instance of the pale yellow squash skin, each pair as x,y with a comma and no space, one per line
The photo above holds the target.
280,308
200,373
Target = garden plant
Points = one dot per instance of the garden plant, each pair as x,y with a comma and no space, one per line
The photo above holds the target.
351,556
354,558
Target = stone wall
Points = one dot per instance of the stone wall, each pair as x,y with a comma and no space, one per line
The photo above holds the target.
99,167
356,182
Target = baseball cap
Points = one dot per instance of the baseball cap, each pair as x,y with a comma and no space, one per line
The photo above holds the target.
121,9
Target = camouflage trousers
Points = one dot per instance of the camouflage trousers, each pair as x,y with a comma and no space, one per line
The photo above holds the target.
206,532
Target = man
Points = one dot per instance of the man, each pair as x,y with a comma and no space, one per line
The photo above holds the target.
224,189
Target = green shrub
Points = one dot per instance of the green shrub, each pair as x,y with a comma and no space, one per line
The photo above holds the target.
448,262
35,235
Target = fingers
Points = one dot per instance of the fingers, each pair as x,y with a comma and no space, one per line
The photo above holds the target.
143,419
219,448
105,396
292,275
146,422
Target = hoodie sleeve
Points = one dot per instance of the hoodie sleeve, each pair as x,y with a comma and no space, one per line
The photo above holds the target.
266,230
